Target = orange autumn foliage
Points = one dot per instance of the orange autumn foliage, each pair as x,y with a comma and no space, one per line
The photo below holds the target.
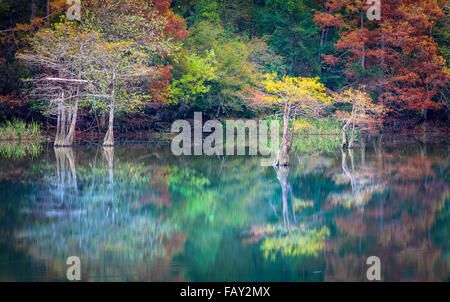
395,56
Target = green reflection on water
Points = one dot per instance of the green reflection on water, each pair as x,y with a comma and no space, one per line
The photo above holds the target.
136,212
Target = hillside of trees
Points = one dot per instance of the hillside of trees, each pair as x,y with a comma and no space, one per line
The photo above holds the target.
138,65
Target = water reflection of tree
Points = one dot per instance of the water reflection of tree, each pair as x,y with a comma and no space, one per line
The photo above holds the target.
66,177
294,236
363,184
108,155
317,215
115,239
212,196
57,195
401,202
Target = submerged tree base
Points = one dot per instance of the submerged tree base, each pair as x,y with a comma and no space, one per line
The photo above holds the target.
278,164
282,161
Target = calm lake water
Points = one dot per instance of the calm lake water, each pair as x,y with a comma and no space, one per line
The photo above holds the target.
138,213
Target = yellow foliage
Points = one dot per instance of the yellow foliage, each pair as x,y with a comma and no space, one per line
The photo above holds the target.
364,110
302,91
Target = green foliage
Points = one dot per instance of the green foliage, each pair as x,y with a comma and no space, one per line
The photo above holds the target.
235,60
326,126
127,53
316,143
292,32
196,76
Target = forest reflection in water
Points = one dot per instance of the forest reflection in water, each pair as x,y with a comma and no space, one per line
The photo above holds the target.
136,212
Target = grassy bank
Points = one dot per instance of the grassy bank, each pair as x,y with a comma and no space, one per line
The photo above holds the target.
316,143
19,130
327,126
314,135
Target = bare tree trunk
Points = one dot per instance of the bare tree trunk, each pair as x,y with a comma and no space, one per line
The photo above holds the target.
103,120
58,124
71,134
33,9
47,15
65,130
352,139
286,144
61,123
344,133
109,137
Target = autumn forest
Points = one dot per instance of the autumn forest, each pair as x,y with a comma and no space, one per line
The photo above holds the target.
161,60
354,95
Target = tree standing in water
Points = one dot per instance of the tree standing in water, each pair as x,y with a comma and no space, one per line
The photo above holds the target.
364,114
60,56
117,77
291,97
136,39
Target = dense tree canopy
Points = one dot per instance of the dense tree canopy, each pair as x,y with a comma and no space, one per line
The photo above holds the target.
396,56
205,55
